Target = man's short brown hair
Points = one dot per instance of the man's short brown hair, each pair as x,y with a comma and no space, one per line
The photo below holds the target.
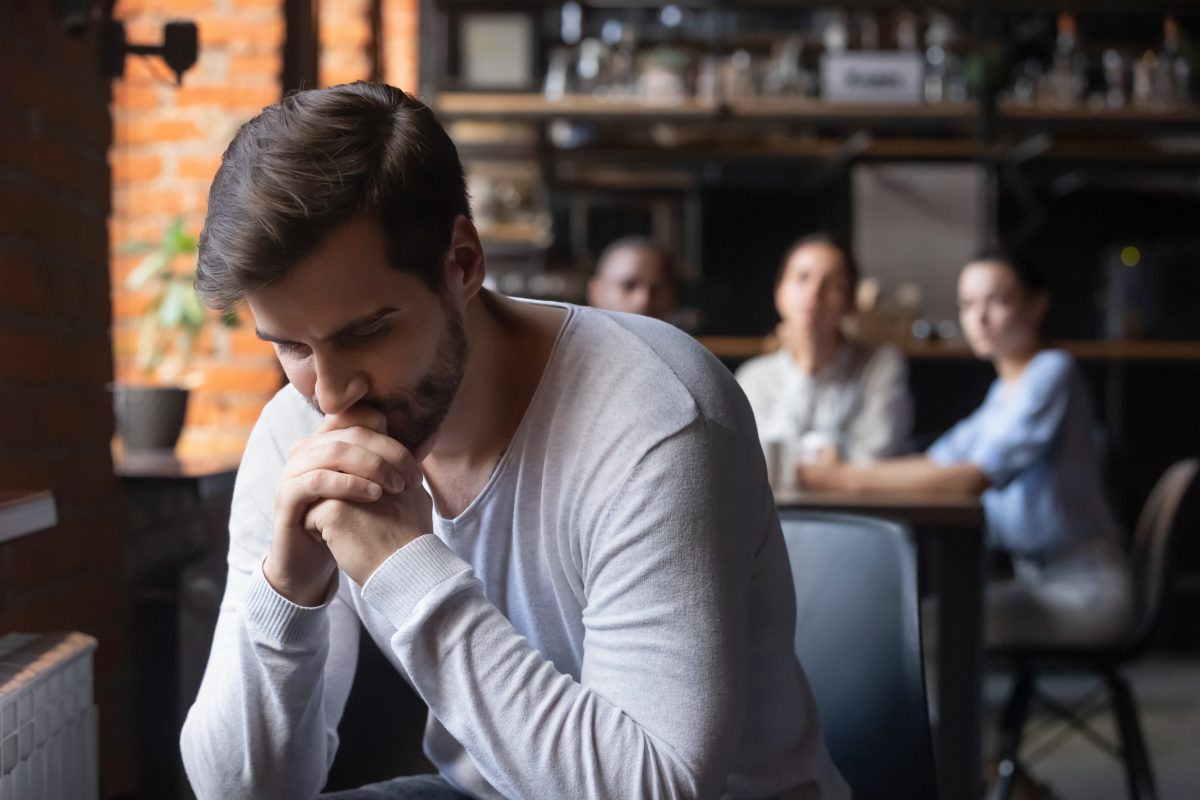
315,161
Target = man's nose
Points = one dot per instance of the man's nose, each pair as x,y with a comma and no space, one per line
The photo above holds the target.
338,388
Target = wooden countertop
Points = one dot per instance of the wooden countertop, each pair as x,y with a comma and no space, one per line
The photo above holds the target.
965,511
1099,350
167,465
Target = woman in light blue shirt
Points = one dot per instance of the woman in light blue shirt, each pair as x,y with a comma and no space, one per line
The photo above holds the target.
1029,451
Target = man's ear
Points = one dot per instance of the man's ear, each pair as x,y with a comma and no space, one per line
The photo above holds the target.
465,263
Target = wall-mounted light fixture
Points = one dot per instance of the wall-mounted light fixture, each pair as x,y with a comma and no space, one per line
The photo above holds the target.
179,48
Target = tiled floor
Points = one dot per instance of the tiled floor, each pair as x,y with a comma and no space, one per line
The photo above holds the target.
1167,688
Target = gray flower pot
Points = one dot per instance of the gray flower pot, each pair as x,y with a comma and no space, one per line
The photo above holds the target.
149,417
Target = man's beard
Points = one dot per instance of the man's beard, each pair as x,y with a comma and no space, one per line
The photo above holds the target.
413,415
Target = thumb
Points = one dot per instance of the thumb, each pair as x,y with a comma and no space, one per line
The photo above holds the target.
356,416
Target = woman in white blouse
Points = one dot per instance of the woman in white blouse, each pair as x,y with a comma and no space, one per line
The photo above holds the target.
820,387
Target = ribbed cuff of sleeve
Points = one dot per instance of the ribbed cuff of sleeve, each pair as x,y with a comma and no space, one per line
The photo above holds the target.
279,620
410,573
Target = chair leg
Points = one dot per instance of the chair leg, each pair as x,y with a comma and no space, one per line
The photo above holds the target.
1012,723
1137,760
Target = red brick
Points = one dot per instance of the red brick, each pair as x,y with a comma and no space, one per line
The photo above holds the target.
32,356
127,168
64,168
262,33
130,305
26,284
69,549
17,219
251,98
38,85
88,232
207,409
134,95
19,410
244,342
229,377
138,201
269,65
202,168
156,131
211,441
348,35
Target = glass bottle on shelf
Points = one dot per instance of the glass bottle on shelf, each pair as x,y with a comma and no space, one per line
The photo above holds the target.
1173,76
1144,70
785,73
907,26
1065,82
945,75
835,36
1115,89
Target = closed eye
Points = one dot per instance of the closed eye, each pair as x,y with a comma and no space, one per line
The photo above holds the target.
290,348
366,335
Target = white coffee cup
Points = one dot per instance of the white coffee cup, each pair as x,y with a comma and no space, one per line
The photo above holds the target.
819,447
773,451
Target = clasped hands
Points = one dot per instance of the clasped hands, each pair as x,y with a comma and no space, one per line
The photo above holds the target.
348,497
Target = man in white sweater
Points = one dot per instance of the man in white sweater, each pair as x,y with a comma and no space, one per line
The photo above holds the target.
554,521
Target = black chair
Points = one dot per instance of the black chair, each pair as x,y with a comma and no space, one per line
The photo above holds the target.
858,637
1168,512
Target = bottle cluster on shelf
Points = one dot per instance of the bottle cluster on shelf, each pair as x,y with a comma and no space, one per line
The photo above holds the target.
675,58
1115,79
711,56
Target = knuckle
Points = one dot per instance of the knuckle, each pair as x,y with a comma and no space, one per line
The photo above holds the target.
345,483
313,481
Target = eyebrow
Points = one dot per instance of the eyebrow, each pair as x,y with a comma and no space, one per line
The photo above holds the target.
361,322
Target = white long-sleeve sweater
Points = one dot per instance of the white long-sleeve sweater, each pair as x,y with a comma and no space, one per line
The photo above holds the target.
612,616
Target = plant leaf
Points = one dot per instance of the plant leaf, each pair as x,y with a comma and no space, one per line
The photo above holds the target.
150,266
170,313
193,309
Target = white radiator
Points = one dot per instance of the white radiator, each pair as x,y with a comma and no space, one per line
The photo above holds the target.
48,741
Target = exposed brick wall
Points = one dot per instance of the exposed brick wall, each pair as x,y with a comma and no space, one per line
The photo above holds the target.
347,42
55,353
167,146
400,41
168,143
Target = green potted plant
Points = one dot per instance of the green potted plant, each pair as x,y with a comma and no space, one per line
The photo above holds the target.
150,413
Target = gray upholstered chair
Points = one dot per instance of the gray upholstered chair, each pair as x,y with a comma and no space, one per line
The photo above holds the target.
858,638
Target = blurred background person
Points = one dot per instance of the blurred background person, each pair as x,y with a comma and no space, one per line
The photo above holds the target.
1030,451
636,275
820,394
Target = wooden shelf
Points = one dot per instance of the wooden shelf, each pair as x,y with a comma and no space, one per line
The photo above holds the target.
25,511
1177,116
741,347
532,106
811,108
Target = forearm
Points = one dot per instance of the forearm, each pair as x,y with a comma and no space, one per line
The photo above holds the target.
532,730
913,474
259,727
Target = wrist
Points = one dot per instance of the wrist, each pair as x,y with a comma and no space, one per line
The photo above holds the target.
308,593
